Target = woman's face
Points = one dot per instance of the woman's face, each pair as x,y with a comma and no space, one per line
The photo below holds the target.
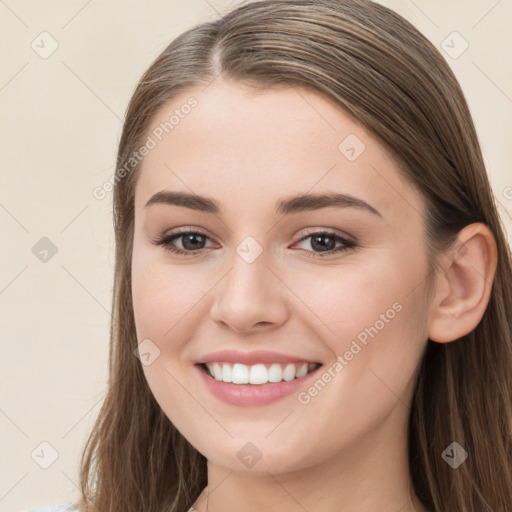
260,276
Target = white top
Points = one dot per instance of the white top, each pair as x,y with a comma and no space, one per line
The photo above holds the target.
63,506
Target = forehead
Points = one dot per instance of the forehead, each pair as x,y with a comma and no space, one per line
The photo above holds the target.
229,140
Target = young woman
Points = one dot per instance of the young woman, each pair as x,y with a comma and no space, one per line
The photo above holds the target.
312,304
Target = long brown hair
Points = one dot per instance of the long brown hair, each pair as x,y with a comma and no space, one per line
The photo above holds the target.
381,70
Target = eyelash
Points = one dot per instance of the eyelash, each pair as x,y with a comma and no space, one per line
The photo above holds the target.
166,242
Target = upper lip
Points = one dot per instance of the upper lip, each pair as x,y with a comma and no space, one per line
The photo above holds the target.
250,358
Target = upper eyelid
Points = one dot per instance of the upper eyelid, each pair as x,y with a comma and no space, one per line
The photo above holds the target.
313,231
175,235
304,233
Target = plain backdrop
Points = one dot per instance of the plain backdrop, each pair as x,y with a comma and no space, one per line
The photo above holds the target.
67,72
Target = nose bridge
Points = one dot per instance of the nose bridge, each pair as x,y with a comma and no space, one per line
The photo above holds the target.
249,269
249,293
249,278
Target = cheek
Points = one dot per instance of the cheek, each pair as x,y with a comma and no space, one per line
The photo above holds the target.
372,318
376,334
163,297
360,303
165,307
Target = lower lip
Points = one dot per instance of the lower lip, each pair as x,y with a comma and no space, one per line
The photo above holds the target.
252,394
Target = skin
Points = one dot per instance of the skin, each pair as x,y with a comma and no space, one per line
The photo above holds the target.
346,449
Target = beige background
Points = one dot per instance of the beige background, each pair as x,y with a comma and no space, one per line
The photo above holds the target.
60,123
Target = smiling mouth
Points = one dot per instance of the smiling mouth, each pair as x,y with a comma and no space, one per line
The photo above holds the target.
270,373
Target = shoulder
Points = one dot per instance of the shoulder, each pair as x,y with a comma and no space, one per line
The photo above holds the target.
63,506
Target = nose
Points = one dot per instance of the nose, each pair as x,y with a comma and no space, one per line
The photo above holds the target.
250,298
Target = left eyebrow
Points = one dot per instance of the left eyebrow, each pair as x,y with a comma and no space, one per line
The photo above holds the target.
310,202
285,206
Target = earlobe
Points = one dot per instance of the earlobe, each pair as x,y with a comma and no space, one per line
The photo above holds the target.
465,282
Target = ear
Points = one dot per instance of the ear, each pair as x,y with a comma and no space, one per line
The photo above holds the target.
464,284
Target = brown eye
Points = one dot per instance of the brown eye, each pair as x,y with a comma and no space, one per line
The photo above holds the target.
324,243
191,241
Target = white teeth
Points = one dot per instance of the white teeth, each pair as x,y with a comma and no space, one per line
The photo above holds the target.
257,374
238,373
217,371
226,373
275,373
303,370
289,372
